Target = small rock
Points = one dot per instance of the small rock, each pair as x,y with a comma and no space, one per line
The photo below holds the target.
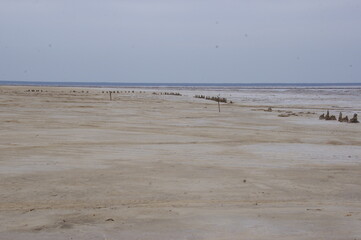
340,117
327,117
345,119
268,110
354,119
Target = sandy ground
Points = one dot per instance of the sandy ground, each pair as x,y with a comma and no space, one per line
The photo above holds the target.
74,165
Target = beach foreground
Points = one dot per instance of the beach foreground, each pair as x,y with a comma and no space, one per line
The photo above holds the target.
75,165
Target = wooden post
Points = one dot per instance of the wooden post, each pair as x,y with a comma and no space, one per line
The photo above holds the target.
219,105
110,95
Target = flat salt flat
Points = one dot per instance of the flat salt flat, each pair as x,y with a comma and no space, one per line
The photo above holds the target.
75,165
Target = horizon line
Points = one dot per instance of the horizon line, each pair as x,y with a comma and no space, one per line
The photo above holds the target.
177,83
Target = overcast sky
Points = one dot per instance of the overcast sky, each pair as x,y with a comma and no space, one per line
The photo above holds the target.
215,41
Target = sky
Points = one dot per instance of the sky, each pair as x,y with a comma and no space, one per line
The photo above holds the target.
181,41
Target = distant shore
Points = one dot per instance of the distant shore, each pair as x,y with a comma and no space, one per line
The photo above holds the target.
193,85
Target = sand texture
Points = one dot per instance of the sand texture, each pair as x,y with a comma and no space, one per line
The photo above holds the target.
75,165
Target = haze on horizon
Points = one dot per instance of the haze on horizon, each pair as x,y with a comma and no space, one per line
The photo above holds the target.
231,41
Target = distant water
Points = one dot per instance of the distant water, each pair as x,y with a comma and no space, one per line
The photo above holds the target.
122,84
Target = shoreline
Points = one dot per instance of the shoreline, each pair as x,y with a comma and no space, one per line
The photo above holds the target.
187,85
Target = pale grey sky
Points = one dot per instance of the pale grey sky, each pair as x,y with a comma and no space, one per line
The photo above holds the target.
215,41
